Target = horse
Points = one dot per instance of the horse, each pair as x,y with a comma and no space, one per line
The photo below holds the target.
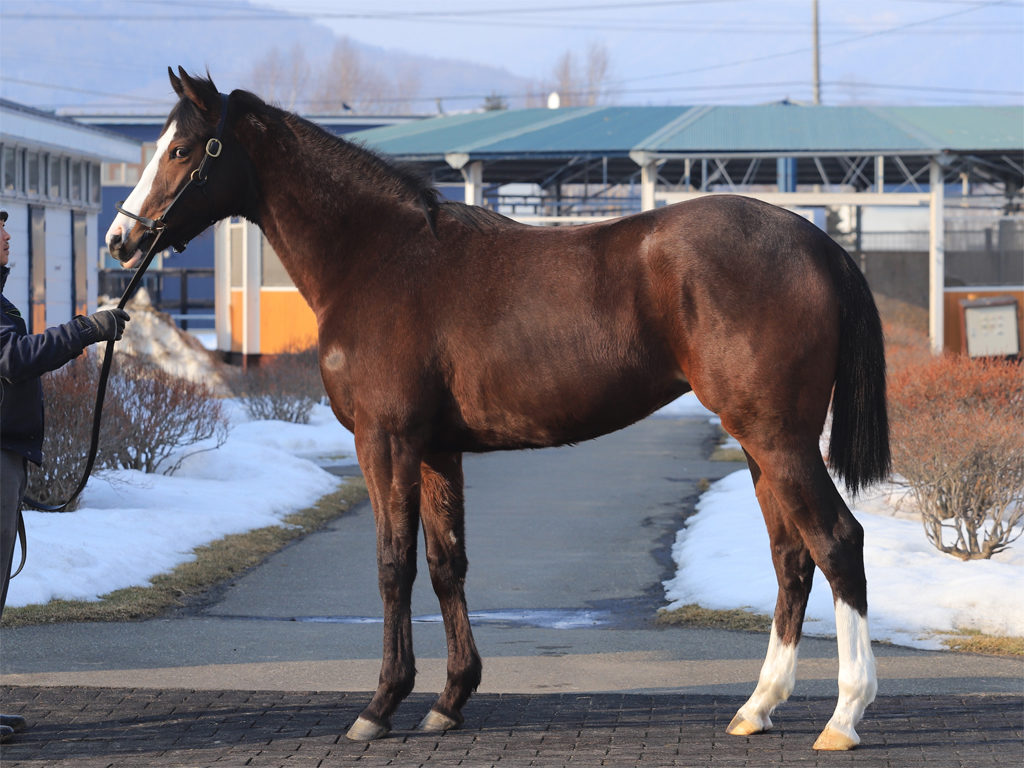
445,328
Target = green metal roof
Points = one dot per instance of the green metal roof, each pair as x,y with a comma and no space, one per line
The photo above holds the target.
770,129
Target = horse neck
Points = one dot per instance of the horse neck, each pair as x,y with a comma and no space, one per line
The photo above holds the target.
325,211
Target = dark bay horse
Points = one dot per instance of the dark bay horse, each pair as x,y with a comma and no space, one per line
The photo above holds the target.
446,328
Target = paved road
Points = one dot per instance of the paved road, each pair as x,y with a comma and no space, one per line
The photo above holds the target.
567,551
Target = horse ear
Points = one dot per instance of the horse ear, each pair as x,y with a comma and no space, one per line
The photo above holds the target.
202,93
175,83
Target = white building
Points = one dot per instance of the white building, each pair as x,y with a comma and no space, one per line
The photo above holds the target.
50,170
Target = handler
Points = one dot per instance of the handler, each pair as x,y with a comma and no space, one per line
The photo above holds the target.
24,358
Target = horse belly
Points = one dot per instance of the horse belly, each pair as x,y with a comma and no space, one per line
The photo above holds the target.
558,398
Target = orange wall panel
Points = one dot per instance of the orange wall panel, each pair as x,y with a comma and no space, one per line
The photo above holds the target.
286,322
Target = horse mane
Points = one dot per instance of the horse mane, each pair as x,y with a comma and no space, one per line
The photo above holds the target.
479,218
398,179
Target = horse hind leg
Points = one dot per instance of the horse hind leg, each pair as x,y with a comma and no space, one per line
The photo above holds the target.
794,570
443,516
835,541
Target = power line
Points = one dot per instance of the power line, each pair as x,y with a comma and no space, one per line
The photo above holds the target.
84,91
806,49
227,14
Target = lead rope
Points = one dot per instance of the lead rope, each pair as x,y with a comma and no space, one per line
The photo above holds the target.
198,179
101,391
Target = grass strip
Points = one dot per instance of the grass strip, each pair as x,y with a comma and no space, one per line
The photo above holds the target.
972,641
694,615
963,641
214,563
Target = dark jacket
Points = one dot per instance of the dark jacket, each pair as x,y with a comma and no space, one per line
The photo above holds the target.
24,358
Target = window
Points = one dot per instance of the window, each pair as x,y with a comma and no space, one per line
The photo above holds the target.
76,188
55,177
274,274
10,160
95,194
33,173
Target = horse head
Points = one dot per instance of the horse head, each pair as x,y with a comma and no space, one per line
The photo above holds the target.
192,180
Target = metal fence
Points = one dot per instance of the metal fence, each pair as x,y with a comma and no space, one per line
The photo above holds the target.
186,294
989,253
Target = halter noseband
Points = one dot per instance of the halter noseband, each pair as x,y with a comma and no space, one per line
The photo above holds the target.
197,178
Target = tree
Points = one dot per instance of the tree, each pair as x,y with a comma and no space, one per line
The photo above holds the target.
340,81
582,85
348,83
282,78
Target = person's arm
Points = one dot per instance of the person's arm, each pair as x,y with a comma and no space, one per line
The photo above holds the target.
27,357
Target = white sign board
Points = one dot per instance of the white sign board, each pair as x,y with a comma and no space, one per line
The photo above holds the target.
991,328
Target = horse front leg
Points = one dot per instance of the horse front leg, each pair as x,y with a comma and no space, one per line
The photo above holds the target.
391,468
442,508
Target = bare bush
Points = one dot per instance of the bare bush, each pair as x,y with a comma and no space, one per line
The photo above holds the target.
958,440
154,414
69,394
282,387
149,416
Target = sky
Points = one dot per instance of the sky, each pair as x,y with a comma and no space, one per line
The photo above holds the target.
659,51
132,526
934,51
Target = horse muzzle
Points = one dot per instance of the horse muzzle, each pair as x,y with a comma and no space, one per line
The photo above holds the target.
130,254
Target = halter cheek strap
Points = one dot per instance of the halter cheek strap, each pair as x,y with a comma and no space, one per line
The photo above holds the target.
197,178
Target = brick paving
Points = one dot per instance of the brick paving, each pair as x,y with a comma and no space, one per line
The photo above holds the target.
101,727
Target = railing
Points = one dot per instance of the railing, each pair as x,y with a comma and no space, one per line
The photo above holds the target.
169,291
547,209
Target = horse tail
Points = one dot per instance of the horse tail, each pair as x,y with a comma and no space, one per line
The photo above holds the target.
859,441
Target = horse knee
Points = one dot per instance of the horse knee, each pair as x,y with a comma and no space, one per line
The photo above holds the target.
447,570
395,576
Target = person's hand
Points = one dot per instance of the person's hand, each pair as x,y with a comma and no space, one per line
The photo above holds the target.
105,325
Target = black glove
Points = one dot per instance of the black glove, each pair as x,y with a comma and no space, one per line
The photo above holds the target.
105,325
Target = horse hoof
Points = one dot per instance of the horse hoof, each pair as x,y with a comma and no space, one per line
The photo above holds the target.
832,740
366,730
740,726
435,722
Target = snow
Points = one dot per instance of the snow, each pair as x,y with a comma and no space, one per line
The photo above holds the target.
152,335
132,526
915,592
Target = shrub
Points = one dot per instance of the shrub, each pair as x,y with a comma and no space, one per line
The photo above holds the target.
284,387
154,414
69,394
149,415
958,441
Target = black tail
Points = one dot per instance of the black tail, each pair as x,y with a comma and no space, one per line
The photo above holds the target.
859,443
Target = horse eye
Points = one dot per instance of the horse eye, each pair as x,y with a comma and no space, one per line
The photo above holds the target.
179,153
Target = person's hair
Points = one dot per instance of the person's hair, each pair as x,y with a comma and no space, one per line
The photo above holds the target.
3,216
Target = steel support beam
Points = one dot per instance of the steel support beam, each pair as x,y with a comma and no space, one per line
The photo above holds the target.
936,257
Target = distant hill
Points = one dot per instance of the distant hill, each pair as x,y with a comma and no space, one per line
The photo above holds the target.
110,55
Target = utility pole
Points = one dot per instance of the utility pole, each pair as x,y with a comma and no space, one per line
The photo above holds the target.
817,65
